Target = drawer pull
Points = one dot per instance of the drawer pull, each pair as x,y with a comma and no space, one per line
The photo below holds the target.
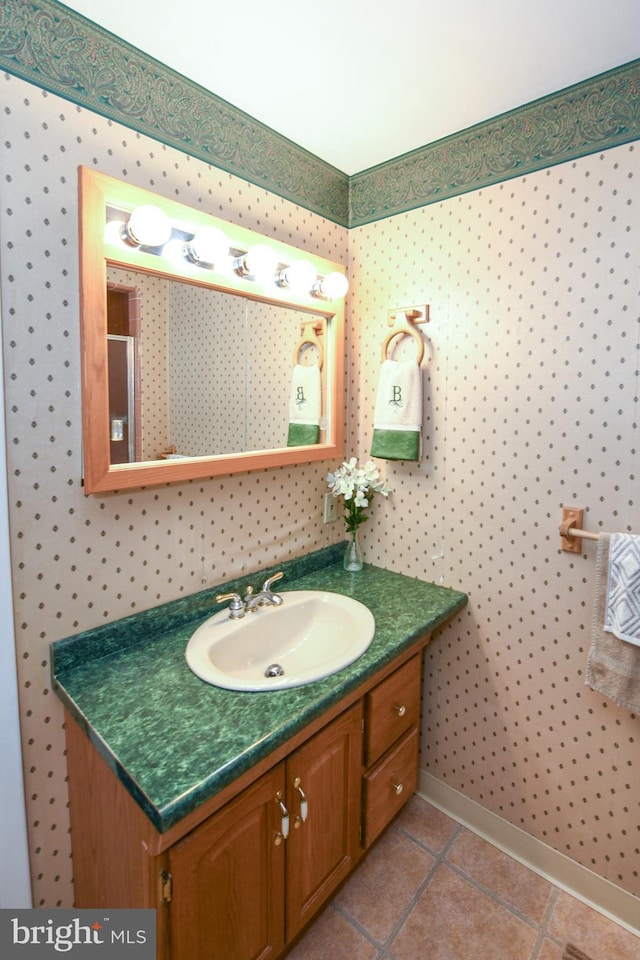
398,788
304,805
400,709
284,820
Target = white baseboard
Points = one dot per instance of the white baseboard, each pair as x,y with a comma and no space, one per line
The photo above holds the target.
579,881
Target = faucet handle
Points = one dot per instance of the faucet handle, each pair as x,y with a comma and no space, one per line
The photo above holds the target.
266,586
236,607
248,597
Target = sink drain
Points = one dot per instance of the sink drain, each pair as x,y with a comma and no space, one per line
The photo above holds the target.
274,670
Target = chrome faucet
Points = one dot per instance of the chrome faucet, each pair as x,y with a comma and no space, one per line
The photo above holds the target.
236,607
265,598
239,606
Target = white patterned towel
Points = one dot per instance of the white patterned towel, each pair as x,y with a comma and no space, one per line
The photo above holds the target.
622,611
613,665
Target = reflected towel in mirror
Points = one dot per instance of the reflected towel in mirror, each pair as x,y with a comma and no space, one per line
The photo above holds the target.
305,405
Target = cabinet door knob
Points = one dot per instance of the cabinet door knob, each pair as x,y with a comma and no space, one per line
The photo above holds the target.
304,804
400,709
398,788
284,820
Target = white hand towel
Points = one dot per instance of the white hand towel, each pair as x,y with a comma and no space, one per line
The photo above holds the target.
305,406
397,421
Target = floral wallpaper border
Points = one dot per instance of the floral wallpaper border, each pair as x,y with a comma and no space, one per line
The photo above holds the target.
63,52
57,49
590,116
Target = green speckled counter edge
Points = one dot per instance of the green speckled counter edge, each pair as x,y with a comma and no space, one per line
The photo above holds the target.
173,740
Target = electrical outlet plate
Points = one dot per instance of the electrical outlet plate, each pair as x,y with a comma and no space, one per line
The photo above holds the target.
329,509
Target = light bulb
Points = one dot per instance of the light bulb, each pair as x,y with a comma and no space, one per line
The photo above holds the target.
259,262
299,277
331,287
114,231
209,245
148,226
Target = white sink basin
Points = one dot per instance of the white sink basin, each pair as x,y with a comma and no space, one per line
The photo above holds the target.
310,636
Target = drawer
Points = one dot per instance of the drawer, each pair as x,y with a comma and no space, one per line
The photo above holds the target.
391,708
389,785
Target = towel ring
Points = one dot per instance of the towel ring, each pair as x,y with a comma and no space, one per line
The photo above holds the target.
311,339
403,328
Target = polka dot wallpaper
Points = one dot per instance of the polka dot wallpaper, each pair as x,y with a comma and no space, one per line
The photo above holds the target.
531,387
207,333
530,402
80,561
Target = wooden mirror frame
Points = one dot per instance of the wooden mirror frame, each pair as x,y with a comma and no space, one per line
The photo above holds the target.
99,192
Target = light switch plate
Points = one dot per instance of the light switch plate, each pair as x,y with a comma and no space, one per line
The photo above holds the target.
329,509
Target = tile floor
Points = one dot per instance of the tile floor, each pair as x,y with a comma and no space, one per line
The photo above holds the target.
432,890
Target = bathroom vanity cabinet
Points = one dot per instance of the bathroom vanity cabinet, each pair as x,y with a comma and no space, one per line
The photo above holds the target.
180,791
239,879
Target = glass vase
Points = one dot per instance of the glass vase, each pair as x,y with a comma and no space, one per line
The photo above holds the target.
353,557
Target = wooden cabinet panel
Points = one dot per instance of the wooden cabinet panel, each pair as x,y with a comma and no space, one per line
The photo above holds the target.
228,880
322,850
388,786
392,708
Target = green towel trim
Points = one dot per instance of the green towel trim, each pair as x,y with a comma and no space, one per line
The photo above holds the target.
303,434
396,444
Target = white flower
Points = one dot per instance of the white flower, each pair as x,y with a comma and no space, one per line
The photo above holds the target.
357,485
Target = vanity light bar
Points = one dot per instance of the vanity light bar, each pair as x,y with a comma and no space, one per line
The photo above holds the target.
148,226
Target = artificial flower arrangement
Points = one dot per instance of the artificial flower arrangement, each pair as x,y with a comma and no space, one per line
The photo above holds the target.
357,485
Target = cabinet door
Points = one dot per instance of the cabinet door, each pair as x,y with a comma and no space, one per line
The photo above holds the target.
322,849
228,880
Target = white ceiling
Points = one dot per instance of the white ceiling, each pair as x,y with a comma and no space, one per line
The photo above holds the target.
358,82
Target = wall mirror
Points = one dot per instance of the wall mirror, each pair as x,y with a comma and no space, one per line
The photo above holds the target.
207,349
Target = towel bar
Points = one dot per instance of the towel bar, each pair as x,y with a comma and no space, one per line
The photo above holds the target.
571,532
583,534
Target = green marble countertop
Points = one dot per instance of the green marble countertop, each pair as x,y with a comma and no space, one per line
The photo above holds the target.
173,740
